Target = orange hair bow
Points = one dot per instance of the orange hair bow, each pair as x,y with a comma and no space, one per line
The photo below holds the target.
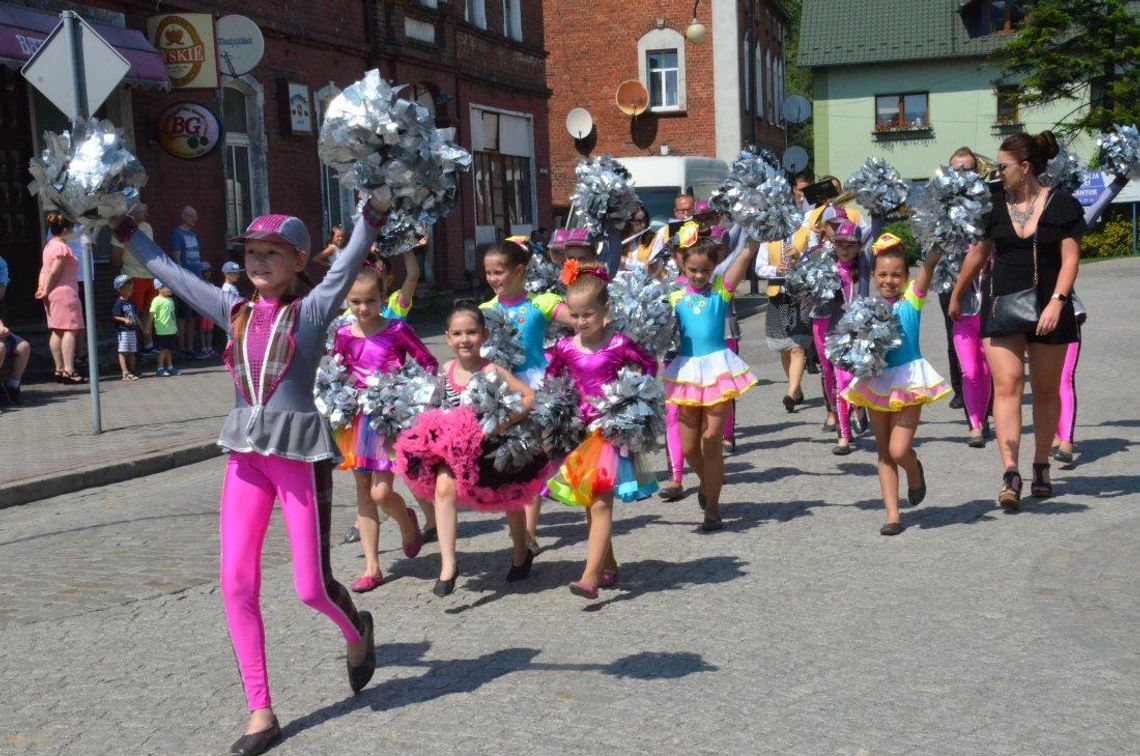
885,242
572,269
687,234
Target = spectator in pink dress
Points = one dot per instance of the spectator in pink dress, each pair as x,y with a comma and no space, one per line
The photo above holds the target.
59,290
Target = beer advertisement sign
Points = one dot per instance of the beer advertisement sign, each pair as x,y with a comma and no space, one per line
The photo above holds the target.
188,130
186,42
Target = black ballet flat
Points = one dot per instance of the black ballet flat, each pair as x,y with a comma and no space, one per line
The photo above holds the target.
1062,456
429,535
257,742
976,442
359,675
445,587
914,496
840,450
519,572
712,525
892,529
789,403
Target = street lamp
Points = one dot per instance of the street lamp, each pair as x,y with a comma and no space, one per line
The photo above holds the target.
696,31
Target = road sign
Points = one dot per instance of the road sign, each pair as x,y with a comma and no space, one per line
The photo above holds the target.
57,69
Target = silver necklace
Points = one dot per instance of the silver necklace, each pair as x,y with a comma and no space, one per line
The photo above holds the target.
1021,217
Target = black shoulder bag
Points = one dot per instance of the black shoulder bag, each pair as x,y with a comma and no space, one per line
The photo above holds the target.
1018,311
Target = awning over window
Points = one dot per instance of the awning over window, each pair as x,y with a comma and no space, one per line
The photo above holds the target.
23,30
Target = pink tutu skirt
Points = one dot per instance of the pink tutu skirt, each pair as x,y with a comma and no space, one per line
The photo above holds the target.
706,380
363,448
907,385
453,438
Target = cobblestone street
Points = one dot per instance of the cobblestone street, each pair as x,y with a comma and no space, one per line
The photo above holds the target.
796,630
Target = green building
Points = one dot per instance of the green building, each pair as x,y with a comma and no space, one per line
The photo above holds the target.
913,80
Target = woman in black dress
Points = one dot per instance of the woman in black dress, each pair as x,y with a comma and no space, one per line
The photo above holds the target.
1025,211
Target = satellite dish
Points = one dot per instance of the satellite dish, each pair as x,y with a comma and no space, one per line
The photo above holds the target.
579,123
795,109
795,159
240,44
632,97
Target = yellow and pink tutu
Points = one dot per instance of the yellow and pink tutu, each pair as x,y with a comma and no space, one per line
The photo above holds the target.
707,380
596,468
910,384
363,448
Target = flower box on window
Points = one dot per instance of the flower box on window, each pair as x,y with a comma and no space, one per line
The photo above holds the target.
903,131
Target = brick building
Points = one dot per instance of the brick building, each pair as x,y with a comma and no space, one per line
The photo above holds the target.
707,98
481,69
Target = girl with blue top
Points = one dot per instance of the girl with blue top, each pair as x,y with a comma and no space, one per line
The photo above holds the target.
505,268
706,375
898,393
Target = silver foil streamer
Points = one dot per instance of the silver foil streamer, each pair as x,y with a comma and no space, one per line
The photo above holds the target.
492,400
1064,170
1120,151
555,412
542,276
87,173
334,393
815,274
952,211
393,400
947,270
878,186
863,336
385,146
504,345
639,308
516,447
758,197
632,411
603,192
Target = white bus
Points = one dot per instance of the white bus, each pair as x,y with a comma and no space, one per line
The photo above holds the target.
660,179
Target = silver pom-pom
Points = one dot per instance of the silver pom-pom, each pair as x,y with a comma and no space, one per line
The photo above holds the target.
393,400
87,173
947,270
555,412
554,333
758,197
1120,151
952,210
504,345
863,336
878,186
542,276
632,411
639,308
516,447
385,146
493,402
603,192
815,274
334,392
1065,171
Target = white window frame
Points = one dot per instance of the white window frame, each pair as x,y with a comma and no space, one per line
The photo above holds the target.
475,13
345,199
254,140
658,81
512,20
663,39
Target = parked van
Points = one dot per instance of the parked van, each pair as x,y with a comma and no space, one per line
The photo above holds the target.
660,179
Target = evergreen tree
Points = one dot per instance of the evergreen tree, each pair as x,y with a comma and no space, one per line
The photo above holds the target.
1078,49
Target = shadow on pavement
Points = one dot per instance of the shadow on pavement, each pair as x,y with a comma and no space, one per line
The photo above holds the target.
969,513
445,677
1096,449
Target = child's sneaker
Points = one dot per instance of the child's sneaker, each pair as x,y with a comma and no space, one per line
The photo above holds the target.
173,371
160,373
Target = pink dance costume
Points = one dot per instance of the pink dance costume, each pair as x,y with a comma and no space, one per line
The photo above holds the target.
824,317
383,351
597,468
451,436
1067,420
280,448
908,379
976,382
705,371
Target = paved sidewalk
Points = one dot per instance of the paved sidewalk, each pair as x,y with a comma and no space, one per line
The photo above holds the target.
797,630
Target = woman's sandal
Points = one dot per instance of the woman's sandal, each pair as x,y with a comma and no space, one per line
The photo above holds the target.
72,378
1010,495
1041,488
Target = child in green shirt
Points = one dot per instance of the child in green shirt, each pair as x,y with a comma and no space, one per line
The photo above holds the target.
165,329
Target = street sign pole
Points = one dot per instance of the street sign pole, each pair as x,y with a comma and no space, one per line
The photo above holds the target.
75,44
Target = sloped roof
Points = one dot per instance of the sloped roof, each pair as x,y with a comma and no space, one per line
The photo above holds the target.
845,32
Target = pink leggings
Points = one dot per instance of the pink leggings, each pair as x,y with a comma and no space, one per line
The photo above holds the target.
730,416
834,379
673,441
251,485
1067,421
976,385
